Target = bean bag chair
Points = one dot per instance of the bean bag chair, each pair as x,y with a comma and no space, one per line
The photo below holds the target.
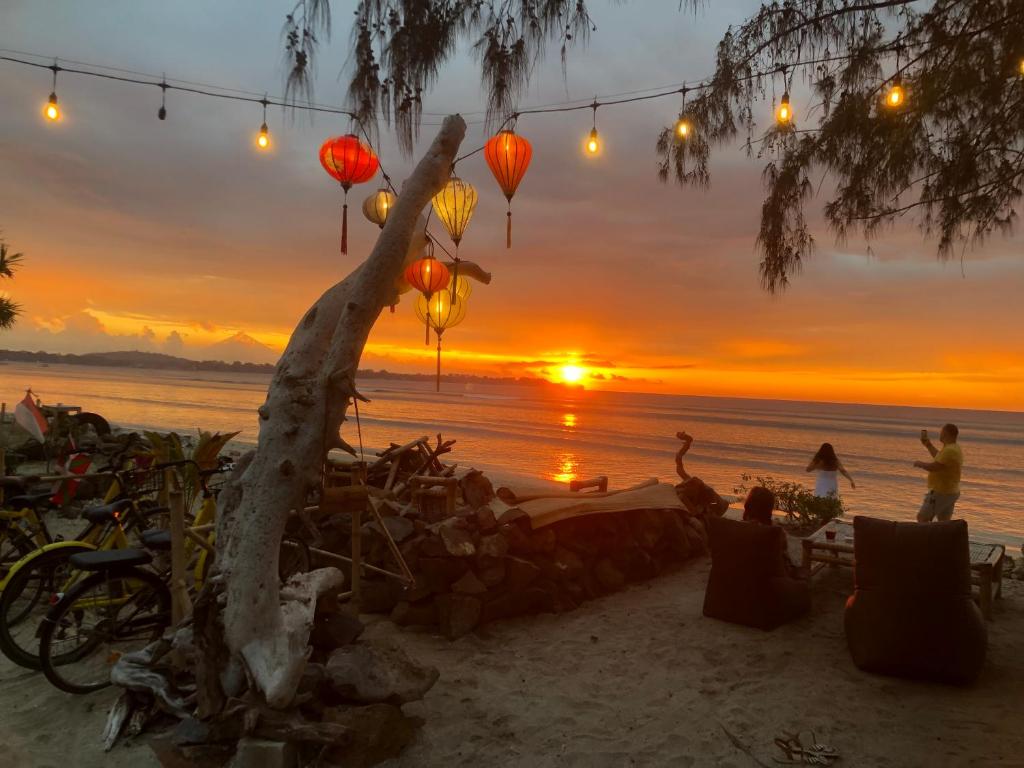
911,613
750,582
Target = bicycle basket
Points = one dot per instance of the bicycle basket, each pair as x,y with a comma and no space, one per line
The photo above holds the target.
143,482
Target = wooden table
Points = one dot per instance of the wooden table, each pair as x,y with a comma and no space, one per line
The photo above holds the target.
986,560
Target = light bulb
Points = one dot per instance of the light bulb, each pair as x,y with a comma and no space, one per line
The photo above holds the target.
784,114
592,143
263,139
895,96
52,111
1022,66
162,113
682,128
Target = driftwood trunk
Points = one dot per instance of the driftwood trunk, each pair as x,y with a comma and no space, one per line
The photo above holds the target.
299,423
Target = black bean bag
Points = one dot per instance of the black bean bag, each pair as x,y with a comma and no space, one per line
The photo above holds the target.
750,583
911,613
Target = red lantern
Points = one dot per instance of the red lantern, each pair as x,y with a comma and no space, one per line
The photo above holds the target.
349,161
508,156
428,276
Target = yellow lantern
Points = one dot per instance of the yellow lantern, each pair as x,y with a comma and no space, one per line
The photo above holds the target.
440,313
454,207
463,288
378,205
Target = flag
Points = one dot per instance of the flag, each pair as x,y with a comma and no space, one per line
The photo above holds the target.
28,416
74,463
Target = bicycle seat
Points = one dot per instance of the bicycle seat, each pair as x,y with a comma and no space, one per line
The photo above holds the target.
156,539
107,512
109,559
29,500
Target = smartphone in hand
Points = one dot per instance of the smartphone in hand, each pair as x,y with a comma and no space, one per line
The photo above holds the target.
924,435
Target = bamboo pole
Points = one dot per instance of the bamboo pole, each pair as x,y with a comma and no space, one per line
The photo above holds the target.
181,606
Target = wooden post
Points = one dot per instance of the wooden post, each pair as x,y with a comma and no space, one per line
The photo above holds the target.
3,446
181,606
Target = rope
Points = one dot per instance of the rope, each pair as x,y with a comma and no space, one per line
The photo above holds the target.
359,430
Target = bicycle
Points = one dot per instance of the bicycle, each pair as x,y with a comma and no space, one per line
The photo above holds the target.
36,581
22,527
120,608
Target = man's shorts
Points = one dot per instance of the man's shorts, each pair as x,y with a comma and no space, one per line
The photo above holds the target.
937,506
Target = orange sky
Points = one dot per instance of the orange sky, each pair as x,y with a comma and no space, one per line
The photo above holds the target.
174,236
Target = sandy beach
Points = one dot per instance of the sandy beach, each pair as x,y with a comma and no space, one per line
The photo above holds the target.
638,678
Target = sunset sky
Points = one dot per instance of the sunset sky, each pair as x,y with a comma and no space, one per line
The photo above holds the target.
177,235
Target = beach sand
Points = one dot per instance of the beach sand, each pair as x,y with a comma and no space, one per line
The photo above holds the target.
637,678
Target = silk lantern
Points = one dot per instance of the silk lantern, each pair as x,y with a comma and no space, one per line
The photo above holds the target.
348,161
508,156
454,206
440,313
378,205
430,277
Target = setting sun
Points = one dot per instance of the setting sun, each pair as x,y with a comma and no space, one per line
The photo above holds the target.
572,374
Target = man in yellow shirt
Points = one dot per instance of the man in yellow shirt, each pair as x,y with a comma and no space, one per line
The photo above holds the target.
943,475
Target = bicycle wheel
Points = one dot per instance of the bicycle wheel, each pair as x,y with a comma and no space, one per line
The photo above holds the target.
14,545
26,598
99,620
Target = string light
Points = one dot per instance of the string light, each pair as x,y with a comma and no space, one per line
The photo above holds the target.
52,111
896,96
263,137
682,124
162,112
784,114
593,144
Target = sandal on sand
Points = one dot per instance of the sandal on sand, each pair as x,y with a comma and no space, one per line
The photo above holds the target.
797,754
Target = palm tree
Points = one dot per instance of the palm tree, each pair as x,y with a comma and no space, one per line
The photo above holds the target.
9,309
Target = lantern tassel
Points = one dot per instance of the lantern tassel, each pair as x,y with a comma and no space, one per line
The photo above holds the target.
344,226
508,229
438,362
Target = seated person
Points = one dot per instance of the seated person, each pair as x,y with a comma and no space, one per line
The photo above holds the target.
753,582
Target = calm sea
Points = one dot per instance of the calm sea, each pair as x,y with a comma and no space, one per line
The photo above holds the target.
555,435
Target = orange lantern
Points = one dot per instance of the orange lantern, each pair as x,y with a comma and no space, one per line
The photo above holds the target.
348,161
428,276
508,157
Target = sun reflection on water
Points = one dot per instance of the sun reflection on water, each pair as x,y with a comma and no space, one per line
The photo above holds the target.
568,468
569,420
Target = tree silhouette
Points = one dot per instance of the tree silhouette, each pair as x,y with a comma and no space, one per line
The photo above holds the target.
951,150
9,310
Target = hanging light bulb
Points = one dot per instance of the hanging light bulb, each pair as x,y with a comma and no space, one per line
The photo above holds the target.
52,111
896,96
263,137
784,114
593,145
162,112
683,126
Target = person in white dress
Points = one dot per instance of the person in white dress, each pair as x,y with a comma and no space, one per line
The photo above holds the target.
828,468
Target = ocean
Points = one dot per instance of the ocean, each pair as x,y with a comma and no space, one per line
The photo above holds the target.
559,435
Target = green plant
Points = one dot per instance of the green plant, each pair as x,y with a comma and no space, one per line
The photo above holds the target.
803,509
204,452
9,309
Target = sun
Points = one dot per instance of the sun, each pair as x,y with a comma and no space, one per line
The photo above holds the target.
572,374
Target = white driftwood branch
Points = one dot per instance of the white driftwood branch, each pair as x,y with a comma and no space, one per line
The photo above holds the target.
299,423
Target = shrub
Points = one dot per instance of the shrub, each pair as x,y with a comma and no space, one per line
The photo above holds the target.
803,509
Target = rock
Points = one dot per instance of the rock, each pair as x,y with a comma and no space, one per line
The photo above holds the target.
646,528
261,753
331,630
495,545
696,542
519,574
400,528
457,541
312,676
485,519
457,614
198,756
191,731
431,545
491,570
544,541
563,565
469,584
519,542
377,596
438,573
610,577
379,732
476,489
372,673
415,614
516,516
